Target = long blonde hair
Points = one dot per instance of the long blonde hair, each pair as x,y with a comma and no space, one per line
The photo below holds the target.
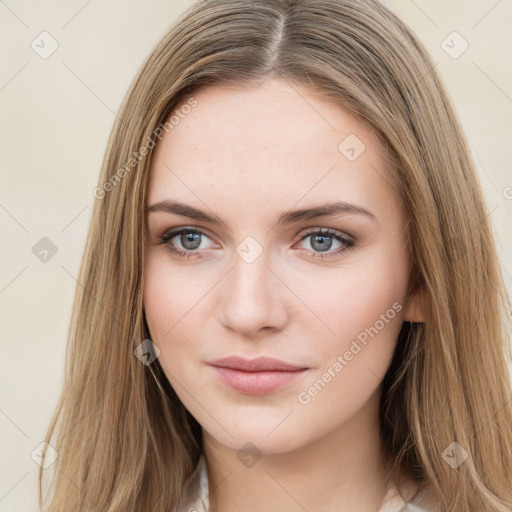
124,439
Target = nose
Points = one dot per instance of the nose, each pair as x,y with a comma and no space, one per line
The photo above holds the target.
253,298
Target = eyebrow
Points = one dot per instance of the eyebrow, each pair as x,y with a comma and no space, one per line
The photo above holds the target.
286,218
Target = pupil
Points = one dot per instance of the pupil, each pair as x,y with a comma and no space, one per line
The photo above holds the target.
191,240
323,245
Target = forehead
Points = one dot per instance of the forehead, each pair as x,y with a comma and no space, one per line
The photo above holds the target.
267,144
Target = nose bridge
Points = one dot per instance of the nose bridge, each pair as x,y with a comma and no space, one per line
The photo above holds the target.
250,274
250,277
252,294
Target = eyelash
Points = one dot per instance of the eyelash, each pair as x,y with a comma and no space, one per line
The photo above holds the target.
348,243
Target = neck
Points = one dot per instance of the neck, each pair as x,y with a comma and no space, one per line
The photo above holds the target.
342,471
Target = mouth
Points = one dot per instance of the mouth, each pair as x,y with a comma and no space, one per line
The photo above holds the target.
256,376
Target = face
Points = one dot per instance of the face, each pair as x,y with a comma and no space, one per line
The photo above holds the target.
245,259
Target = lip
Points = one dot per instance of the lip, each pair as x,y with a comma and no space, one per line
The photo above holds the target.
258,376
260,364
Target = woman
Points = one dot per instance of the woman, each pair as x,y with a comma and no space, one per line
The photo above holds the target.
290,298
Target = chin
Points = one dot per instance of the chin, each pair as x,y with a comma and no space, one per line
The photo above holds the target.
259,434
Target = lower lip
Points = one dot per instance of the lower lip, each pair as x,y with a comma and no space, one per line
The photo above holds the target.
256,383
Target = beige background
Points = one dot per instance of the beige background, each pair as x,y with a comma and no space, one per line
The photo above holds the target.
56,117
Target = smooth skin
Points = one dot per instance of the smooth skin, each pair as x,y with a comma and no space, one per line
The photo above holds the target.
246,155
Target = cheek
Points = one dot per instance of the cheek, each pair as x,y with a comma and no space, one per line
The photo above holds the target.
352,298
176,310
366,319
365,325
170,294
362,304
165,301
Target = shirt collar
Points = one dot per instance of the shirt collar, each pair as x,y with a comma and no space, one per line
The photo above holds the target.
196,495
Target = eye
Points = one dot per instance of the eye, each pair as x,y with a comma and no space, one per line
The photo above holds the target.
188,243
321,242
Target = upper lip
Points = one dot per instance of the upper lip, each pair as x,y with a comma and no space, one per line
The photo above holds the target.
259,364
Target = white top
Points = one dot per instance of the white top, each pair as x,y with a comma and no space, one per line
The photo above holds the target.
196,495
